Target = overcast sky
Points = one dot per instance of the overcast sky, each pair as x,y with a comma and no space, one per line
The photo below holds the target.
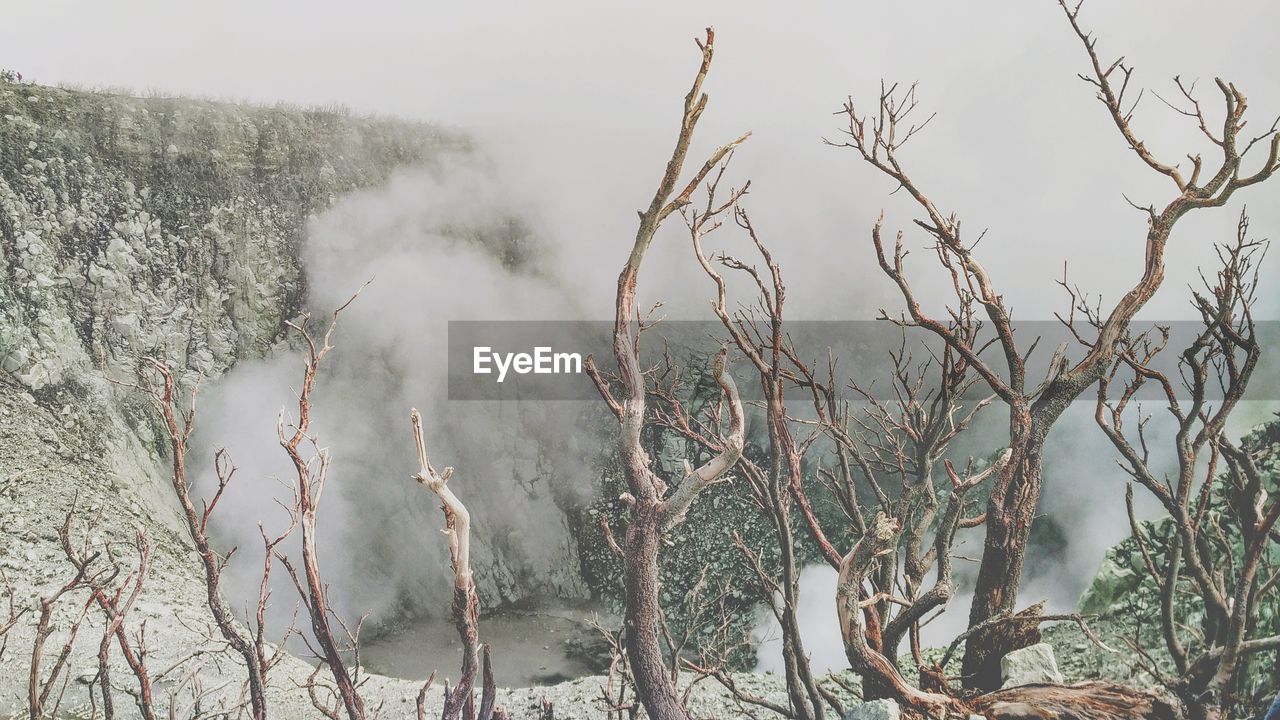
579,100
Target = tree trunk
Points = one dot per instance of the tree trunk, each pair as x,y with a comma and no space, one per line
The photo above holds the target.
806,703
642,611
1010,512
1085,701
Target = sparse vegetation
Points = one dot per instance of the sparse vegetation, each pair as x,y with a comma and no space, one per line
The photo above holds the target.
159,239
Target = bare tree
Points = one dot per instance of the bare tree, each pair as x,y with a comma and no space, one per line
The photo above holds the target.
878,137
908,443
311,472
773,480
1212,512
156,379
42,685
878,541
897,447
115,601
900,441
460,702
653,511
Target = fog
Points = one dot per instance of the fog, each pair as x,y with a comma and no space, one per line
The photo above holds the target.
418,242
574,106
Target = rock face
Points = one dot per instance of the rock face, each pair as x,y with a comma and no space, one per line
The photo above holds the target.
145,226
152,226
875,710
131,225
175,228
1034,664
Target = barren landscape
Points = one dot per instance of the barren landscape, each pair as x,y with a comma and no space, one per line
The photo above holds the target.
1036,474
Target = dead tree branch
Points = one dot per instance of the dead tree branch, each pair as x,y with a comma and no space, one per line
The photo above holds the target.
466,602
158,382
311,472
879,137
1200,497
115,601
653,511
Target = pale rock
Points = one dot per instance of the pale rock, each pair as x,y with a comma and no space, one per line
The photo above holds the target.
14,360
1028,665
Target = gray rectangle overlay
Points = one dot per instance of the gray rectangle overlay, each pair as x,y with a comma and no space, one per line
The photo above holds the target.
543,360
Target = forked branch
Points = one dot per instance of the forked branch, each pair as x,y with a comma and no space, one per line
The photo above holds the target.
466,602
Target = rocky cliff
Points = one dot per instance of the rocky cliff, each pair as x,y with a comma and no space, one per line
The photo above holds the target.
176,228
145,226
141,225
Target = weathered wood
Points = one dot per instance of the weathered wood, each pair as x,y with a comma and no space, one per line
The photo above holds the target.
652,512
460,701
1084,701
